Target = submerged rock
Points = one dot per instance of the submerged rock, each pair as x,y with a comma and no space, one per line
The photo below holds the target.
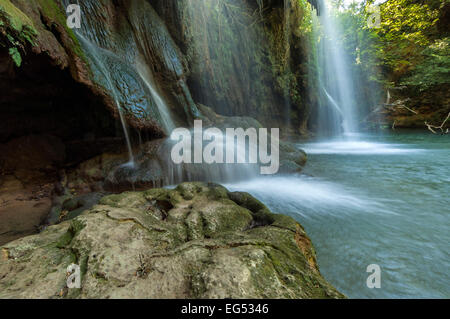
195,241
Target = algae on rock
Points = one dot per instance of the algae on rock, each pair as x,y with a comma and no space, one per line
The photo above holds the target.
17,30
195,241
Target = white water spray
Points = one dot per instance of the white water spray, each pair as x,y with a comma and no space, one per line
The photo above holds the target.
338,114
147,77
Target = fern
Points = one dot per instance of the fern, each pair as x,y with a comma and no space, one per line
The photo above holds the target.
15,55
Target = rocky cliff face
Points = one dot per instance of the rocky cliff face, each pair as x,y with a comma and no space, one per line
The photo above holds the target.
247,58
128,56
62,150
62,90
133,56
195,241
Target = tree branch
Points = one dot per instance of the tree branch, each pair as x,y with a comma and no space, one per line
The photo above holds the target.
434,128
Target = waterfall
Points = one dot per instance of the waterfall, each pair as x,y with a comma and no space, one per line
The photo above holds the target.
155,166
216,172
125,61
333,102
228,47
338,114
217,29
117,51
95,54
147,77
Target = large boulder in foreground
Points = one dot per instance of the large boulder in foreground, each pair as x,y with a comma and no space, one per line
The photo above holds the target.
195,241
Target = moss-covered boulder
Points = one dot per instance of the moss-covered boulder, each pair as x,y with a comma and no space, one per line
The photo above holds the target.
195,241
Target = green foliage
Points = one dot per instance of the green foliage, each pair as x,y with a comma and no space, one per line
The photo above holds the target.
16,30
408,20
15,55
12,16
435,67
306,24
406,49
360,42
53,11
407,28
409,49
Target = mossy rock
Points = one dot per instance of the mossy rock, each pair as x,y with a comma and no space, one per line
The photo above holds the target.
16,30
195,241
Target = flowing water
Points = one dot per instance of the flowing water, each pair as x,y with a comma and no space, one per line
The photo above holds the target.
384,201
147,76
98,57
214,172
365,199
338,109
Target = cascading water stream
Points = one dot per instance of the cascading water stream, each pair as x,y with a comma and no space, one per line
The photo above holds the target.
350,227
340,209
333,102
122,67
338,113
93,51
214,172
147,78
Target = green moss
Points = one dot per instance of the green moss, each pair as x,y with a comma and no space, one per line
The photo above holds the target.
284,221
16,30
75,227
84,264
64,240
52,10
189,190
126,199
261,214
73,293
16,18
15,55
217,192
223,219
